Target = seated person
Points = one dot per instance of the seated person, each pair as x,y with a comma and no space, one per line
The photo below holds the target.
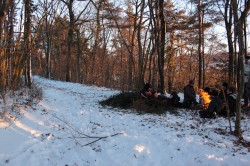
174,99
205,96
213,107
208,90
147,92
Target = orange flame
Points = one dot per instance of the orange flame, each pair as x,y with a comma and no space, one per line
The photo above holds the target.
205,97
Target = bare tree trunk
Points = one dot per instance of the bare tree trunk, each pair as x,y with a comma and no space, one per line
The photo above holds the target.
96,47
48,42
200,43
3,61
78,74
140,53
240,68
70,40
203,53
3,8
132,39
27,42
160,41
10,42
227,14
170,63
245,35
228,23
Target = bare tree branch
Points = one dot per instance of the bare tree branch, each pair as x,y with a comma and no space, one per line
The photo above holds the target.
82,135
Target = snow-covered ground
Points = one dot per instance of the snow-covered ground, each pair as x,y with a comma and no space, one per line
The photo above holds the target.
69,127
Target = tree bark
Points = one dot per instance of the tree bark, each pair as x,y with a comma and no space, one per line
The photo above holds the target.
240,68
70,40
200,43
140,53
48,42
27,42
160,44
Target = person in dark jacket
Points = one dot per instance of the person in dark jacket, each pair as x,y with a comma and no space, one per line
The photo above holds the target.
223,96
232,100
146,92
246,94
208,90
213,107
223,93
175,99
189,95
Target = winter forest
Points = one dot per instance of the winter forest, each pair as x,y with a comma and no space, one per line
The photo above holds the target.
123,44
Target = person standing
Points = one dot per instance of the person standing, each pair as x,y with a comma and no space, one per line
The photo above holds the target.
223,92
232,100
223,96
246,93
248,90
189,95
246,83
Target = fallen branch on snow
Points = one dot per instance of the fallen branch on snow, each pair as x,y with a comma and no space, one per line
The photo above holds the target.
72,130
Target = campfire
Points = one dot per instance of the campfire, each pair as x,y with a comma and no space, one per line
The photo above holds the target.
205,98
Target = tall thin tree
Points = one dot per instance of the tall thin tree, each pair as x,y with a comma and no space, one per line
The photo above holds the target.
27,41
239,22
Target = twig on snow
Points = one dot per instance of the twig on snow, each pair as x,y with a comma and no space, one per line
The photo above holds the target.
82,135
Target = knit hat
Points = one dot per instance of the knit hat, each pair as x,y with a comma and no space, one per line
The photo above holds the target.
147,86
207,89
214,93
225,84
191,82
232,89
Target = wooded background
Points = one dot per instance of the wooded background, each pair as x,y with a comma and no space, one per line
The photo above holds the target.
124,43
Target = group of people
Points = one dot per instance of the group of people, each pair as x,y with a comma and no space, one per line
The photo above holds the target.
220,102
148,93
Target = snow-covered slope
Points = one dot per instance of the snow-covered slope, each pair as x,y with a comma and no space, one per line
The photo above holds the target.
69,127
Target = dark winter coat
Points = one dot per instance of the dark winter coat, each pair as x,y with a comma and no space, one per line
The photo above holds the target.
222,94
232,103
248,87
214,105
175,99
213,108
189,95
145,93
